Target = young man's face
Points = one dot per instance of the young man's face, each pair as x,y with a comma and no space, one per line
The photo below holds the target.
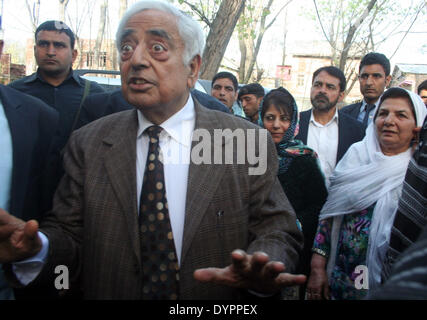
53,52
250,104
224,91
373,81
423,95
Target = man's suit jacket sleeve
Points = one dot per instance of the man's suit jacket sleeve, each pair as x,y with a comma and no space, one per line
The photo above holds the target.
273,226
64,228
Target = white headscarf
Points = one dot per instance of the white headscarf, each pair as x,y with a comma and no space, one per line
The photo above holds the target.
365,176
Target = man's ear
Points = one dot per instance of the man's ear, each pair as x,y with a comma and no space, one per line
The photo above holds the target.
194,66
387,80
74,55
341,96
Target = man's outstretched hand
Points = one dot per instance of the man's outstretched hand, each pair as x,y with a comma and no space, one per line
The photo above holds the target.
18,239
254,272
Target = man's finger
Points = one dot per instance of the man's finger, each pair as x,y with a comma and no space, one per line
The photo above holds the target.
6,231
30,230
239,259
287,279
215,275
206,274
273,269
258,261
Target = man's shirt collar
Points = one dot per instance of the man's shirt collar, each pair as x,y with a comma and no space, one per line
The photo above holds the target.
37,76
364,103
317,124
179,127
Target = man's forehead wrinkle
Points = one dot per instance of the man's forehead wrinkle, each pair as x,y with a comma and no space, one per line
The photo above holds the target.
156,32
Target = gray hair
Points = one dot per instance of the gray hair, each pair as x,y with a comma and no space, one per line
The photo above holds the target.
189,30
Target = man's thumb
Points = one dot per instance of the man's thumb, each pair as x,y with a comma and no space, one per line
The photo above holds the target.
30,229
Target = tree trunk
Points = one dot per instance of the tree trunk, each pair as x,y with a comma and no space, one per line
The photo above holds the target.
100,36
252,48
62,6
219,35
123,7
243,58
352,32
262,30
285,34
34,13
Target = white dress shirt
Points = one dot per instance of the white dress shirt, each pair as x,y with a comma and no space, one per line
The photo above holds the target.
6,160
175,143
324,140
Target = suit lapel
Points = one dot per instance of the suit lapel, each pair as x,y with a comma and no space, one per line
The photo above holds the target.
303,126
121,169
203,180
356,110
342,136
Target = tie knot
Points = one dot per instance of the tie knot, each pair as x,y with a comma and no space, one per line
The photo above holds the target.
369,107
154,131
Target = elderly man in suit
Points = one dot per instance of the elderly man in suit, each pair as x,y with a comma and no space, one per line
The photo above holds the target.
324,128
111,225
374,77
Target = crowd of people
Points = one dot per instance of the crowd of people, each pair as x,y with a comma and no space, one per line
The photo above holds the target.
336,214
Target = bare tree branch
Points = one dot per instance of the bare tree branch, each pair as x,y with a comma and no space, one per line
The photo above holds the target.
278,13
352,31
406,33
201,15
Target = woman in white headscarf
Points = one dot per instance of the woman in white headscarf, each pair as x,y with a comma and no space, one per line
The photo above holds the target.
356,220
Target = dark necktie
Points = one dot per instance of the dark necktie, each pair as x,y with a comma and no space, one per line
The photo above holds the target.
159,259
368,109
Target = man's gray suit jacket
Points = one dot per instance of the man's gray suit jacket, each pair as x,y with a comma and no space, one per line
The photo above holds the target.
93,228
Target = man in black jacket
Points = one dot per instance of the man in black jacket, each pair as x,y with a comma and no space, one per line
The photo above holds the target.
27,126
374,77
326,130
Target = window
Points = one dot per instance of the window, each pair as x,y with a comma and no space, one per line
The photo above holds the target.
300,80
102,60
89,59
